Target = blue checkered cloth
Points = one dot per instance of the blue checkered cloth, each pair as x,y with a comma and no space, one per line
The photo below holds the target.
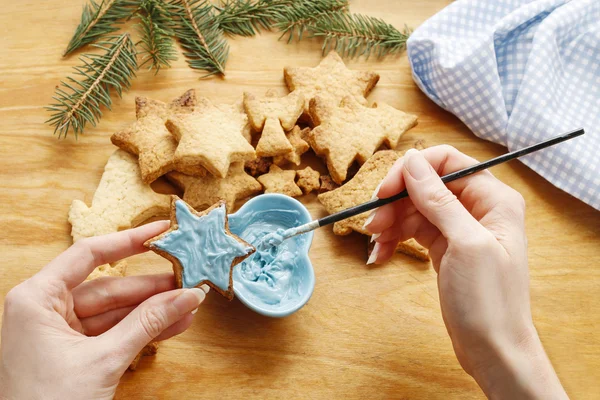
517,72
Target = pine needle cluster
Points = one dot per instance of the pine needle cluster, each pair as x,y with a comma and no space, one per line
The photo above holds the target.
204,45
157,47
201,28
79,101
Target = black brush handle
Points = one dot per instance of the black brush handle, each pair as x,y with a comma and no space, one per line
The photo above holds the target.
370,205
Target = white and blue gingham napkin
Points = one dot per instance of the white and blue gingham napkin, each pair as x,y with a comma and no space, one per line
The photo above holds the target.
517,72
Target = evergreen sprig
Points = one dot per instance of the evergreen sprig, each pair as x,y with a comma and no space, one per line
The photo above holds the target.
354,35
156,29
247,17
203,42
294,21
98,20
79,101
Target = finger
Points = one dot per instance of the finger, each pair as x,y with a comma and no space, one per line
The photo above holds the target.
177,328
389,214
435,201
381,218
150,319
98,324
101,295
412,226
393,183
79,260
382,252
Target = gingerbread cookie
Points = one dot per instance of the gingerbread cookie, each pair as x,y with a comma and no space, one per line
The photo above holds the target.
331,80
258,166
307,179
354,132
211,136
280,181
149,139
116,269
410,247
149,350
327,184
202,192
359,190
121,201
299,146
201,247
272,116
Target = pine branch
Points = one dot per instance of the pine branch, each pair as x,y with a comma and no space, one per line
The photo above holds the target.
203,42
79,101
156,29
247,17
296,19
98,20
355,34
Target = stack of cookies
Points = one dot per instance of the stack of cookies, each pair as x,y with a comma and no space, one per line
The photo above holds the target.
228,152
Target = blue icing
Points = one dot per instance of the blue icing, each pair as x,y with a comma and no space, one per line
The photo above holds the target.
202,246
272,276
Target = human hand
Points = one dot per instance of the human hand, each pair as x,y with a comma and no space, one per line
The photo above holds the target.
64,339
475,232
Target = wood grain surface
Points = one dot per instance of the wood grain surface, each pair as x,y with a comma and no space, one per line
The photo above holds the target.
367,332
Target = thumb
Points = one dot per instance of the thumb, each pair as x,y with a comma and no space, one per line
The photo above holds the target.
435,201
150,319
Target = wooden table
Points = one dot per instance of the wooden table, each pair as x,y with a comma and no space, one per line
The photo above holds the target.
367,332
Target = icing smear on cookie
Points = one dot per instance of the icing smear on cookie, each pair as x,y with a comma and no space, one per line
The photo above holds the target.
202,246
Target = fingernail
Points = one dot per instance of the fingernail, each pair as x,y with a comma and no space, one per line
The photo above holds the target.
205,288
416,165
195,311
189,300
376,191
370,218
374,254
375,236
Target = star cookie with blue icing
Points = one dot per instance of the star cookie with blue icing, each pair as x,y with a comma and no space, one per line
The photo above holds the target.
201,247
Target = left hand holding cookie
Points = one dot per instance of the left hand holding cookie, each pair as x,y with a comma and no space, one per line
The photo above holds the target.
69,339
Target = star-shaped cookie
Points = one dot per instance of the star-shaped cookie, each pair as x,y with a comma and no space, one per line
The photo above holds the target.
359,190
211,136
331,80
299,146
307,179
280,181
202,192
149,139
354,132
121,201
201,247
273,116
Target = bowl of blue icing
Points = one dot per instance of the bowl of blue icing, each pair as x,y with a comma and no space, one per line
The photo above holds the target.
278,281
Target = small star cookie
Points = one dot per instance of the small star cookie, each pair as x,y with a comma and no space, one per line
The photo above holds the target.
202,192
259,166
201,247
211,136
273,116
354,132
327,184
149,139
121,201
359,190
299,146
280,181
308,179
331,80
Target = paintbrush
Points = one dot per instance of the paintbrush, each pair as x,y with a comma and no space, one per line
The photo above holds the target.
274,239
